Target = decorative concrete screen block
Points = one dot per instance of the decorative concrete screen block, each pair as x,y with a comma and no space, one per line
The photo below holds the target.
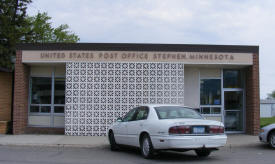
97,93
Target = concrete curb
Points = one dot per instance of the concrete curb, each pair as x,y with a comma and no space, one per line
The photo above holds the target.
103,145
98,142
55,145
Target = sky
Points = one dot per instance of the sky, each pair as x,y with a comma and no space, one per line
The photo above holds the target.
230,22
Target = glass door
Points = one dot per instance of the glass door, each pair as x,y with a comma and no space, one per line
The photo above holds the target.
233,111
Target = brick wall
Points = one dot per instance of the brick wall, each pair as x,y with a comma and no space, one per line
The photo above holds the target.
5,101
4,125
5,95
20,104
253,97
42,130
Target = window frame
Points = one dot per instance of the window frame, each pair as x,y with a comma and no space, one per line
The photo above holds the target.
51,114
212,106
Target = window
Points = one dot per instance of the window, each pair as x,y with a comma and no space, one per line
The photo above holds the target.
205,110
59,109
174,112
41,95
233,100
59,91
142,113
59,95
216,110
211,110
232,79
47,101
41,90
210,92
130,115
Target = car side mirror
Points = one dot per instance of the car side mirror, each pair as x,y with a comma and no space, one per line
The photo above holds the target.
119,119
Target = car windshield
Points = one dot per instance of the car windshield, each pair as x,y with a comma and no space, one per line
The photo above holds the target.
174,112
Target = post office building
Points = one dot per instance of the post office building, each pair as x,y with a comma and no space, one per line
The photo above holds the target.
82,88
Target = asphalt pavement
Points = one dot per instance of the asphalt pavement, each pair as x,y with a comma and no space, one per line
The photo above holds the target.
60,149
256,153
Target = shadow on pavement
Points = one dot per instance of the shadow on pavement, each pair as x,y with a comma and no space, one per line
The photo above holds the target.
167,156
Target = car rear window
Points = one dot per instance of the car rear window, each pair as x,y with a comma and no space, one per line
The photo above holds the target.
174,112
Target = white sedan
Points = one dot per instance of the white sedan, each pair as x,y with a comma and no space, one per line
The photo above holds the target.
167,127
267,135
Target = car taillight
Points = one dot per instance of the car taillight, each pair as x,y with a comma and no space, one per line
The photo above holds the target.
216,129
179,130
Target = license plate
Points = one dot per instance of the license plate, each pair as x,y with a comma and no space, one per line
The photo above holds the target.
198,129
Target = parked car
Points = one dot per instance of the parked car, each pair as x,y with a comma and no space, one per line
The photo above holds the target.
267,135
167,127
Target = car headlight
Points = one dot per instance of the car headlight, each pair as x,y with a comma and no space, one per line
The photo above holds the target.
261,130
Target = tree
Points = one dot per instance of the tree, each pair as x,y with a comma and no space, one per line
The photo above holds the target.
40,30
17,27
271,95
12,20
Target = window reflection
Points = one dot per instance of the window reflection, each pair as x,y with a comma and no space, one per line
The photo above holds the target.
59,109
41,90
59,91
210,92
232,79
233,100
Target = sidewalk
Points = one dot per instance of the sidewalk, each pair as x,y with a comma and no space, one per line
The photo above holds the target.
53,140
234,140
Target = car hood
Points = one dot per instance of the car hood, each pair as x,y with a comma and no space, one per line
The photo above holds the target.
270,126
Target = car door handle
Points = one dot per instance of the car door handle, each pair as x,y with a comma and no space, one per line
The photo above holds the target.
140,124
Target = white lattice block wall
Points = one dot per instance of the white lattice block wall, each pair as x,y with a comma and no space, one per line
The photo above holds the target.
98,93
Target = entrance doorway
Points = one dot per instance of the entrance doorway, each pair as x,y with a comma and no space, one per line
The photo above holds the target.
234,110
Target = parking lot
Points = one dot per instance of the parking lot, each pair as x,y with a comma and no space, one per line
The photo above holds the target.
249,153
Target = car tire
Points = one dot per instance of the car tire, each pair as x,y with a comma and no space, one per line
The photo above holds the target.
146,147
203,152
112,141
271,140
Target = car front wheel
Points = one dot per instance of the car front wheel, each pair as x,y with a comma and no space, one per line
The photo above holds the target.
146,147
272,139
203,152
112,141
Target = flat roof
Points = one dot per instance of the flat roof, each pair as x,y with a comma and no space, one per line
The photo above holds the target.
139,47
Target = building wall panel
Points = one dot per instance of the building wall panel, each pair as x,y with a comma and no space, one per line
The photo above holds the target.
39,121
191,87
210,73
43,71
97,93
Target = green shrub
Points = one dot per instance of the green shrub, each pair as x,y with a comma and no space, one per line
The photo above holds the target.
267,121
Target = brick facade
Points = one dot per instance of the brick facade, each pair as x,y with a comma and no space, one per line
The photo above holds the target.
40,130
5,96
5,101
4,127
21,88
253,97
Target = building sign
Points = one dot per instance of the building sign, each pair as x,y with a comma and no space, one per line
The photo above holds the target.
138,56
